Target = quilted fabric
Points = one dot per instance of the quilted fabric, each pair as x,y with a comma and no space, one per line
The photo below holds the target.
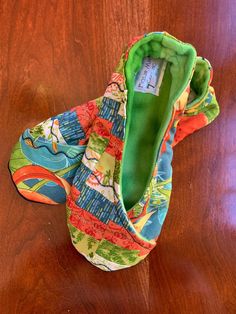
102,230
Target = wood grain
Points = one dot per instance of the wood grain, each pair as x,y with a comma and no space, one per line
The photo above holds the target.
55,54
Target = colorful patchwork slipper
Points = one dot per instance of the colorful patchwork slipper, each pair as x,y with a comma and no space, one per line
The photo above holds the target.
46,157
120,194
44,161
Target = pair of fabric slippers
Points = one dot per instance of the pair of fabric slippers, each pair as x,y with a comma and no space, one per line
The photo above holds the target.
110,159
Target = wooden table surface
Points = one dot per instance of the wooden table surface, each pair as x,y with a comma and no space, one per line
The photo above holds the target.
55,54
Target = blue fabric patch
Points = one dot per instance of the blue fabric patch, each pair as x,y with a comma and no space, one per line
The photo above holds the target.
118,127
81,176
70,127
109,109
95,203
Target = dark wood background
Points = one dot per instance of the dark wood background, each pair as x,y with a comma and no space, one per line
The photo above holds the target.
55,54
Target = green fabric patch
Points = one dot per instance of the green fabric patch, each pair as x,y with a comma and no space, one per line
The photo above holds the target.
97,143
117,254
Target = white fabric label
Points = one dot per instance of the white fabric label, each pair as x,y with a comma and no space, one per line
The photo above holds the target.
149,78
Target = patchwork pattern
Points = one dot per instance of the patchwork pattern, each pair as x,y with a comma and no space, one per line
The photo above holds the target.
101,229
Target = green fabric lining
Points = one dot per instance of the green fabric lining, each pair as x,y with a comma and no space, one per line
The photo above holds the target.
199,82
141,140
148,115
